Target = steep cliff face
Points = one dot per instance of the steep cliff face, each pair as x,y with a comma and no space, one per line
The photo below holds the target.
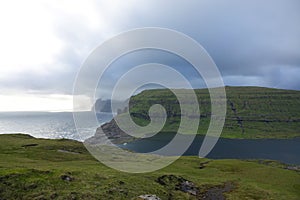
106,106
102,105
252,112
109,131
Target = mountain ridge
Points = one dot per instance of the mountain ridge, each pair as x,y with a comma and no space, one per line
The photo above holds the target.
252,112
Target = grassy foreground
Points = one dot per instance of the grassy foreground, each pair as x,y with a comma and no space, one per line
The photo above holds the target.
62,169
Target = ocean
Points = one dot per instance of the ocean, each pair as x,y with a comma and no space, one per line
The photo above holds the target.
52,125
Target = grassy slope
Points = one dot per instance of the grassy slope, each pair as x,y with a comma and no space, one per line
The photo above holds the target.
252,112
34,172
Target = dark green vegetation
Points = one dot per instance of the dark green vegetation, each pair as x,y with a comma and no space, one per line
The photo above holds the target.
252,112
62,169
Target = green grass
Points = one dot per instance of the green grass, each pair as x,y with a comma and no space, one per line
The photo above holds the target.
252,112
32,168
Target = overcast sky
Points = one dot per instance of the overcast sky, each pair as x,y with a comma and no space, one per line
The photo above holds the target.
44,42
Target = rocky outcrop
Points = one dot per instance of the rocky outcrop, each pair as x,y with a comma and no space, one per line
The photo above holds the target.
178,183
238,119
149,197
109,132
106,106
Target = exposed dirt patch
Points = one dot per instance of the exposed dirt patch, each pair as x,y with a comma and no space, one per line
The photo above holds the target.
206,192
202,165
29,145
216,192
66,151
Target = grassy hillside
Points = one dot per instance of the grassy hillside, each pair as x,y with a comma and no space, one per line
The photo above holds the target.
62,169
252,112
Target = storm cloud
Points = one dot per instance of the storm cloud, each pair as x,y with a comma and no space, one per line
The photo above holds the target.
252,42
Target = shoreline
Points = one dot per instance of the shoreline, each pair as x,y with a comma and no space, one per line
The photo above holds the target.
185,155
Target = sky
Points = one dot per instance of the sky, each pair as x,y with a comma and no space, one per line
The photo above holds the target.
44,42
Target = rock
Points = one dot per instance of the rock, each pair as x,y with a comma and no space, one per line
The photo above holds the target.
188,187
178,183
66,177
121,182
149,197
40,197
170,180
109,131
112,130
293,168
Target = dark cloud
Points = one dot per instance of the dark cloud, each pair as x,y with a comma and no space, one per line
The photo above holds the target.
252,42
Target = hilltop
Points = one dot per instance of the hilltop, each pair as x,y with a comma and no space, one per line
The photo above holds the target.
252,112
